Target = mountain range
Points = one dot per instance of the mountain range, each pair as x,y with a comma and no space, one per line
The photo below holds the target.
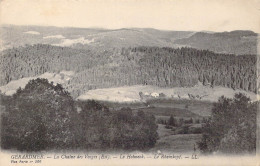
234,42
104,58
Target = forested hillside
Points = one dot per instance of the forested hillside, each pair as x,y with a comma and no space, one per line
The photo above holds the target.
234,42
34,60
164,67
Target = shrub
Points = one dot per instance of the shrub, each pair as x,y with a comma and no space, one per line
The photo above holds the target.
195,130
232,128
180,122
168,127
93,125
133,131
183,130
197,121
172,121
162,95
190,121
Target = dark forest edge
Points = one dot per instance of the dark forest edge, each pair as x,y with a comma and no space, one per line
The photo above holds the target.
43,116
164,67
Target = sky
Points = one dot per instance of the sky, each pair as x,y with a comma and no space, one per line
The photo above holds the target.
194,15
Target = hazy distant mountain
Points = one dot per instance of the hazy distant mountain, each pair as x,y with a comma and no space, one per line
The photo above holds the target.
14,36
234,42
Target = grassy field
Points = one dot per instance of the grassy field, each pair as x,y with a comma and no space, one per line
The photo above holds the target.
131,93
180,143
168,111
201,108
168,107
162,109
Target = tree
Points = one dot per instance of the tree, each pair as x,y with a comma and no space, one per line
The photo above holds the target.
172,121
191,120
162,95
36,113
141,95
165,67
133,131
93,125
181,122
43,116
232,128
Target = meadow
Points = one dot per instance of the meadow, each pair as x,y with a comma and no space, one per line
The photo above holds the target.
171,138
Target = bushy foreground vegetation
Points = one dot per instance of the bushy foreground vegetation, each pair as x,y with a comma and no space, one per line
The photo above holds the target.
43,116
232,127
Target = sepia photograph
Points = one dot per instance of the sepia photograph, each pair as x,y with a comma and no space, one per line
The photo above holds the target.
129,82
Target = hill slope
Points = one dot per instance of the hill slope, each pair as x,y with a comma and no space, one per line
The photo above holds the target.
163,67
234,42
15,36
131,93
57,78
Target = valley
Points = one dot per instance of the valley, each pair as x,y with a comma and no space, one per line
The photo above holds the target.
125,85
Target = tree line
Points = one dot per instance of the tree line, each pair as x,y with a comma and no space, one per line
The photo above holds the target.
165,67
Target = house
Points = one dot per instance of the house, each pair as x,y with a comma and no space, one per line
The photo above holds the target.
154,94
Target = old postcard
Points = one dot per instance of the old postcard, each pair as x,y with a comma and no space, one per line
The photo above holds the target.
129,82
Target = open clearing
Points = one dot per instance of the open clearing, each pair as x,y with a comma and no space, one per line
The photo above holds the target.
201,108
164,108
180,143
131,93
60,78
167,111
